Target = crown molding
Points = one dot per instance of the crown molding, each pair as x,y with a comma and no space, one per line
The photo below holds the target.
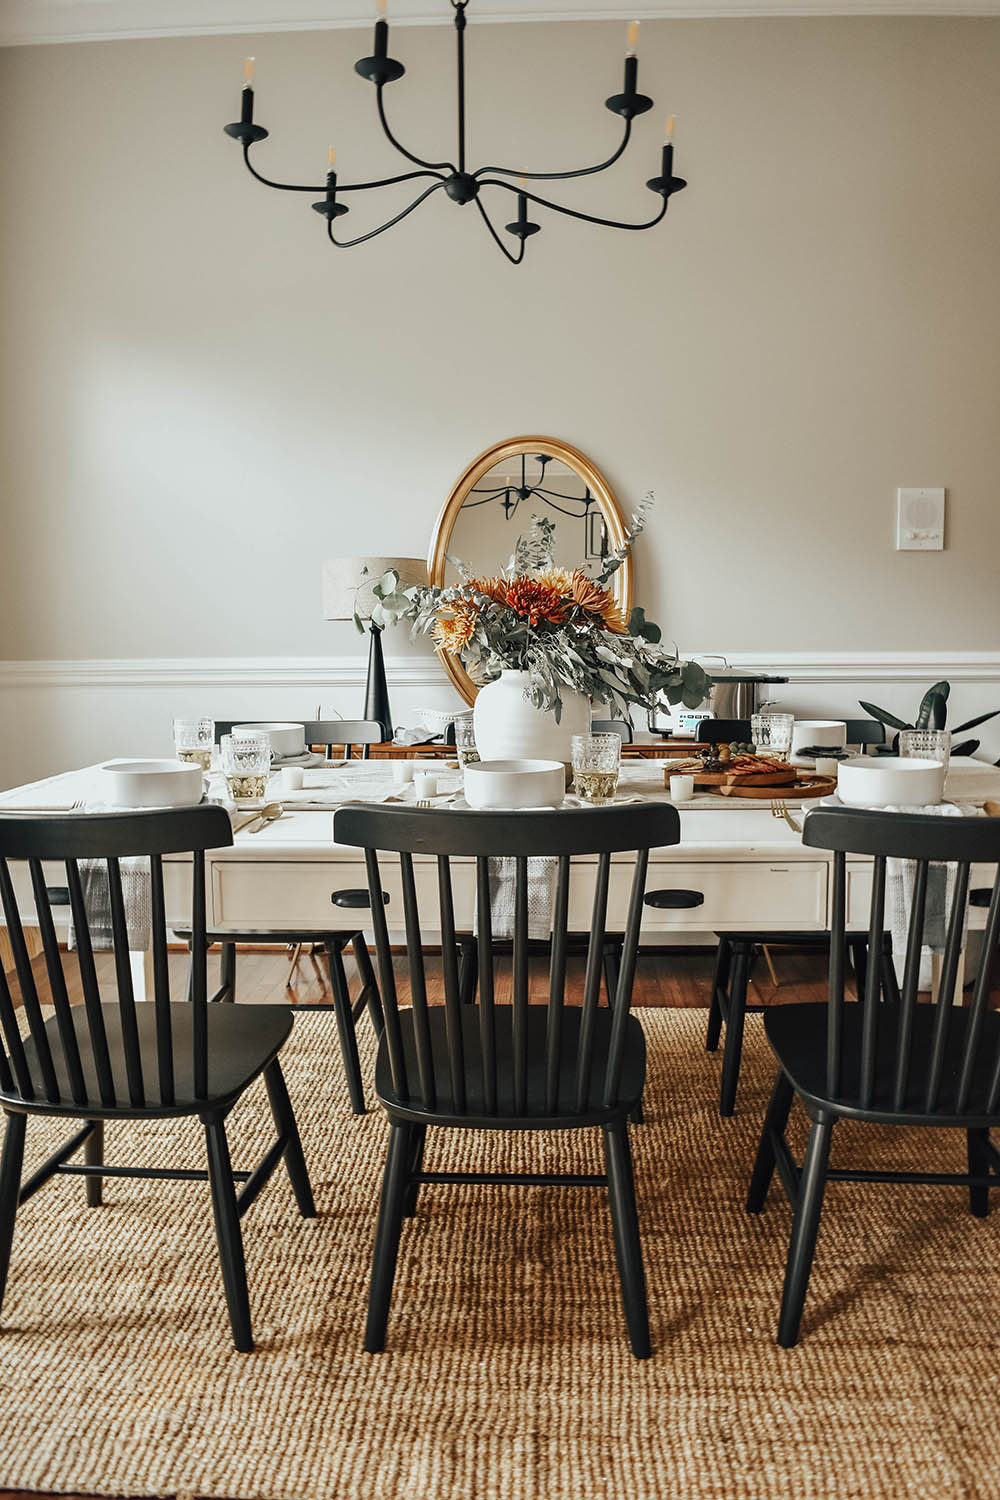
40,22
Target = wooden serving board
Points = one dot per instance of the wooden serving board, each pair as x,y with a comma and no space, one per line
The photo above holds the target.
803,786
736,779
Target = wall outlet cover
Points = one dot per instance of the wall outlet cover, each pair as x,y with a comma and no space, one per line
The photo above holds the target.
920,520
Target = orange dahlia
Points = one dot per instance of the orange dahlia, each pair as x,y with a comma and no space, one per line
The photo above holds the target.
534,600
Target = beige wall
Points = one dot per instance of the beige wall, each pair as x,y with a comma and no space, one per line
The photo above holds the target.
202,399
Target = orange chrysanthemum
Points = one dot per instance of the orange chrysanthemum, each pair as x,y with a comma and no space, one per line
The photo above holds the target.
595,600
453,631
494,588
558,578
534,600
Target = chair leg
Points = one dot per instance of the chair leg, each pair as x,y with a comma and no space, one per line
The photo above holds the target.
10,1188
979,1164
812,1181
733,1045
227,972
625,1224
416,1163
227,1234
284,1123
390,1224
345,1023
720,982
369,983
774,1128
93,1155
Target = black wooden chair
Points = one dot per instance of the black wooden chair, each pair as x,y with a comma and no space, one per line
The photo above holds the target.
124,1060
332,944
507,1067
894,1064
865,732
621,727
723,731
738,951
327,733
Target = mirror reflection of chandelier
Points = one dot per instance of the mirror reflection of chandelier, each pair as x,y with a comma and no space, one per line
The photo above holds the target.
510,490
460,184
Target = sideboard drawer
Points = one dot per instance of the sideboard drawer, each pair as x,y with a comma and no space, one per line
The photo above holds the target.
768,894
273,894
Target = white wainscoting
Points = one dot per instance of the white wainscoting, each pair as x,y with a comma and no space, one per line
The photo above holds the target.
58,714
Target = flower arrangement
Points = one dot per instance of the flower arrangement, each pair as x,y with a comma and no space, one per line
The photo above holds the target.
560,626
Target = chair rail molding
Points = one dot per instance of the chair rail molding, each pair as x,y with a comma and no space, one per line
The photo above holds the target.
331,672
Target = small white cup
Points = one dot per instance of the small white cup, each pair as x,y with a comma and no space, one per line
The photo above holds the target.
402,771
291,778
826,765
425,783
681,788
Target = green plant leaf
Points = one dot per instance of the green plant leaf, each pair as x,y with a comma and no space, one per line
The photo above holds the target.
358,623
933,710
967,747
884,716
975,723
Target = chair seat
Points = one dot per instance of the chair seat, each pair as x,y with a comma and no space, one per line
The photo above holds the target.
242,1040
793,1031
536,1115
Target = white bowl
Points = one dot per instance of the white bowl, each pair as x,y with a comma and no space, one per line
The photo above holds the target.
515,783
438,719
830,733
286,739
890,781
150,783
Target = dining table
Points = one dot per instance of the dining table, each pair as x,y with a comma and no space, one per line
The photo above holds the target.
746,858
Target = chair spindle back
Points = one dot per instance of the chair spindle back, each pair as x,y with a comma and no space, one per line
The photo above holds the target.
956,1068
76,1064
479,1039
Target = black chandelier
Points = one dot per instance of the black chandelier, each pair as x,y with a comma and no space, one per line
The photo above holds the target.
461,185
509,494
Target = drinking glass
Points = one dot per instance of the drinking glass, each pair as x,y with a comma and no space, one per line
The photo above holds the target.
246,764
465,742
595,765
772,734
926,744
193,741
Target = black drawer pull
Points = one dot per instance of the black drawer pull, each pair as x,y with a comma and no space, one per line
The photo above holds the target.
674,900
356,899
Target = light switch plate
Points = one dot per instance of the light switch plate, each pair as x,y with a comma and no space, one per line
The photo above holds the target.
920,520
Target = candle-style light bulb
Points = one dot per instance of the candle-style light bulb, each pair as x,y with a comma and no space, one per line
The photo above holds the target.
331,159
246,110
668,130
631,38
381,6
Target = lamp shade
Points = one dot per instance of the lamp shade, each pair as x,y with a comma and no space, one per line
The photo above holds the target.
347,582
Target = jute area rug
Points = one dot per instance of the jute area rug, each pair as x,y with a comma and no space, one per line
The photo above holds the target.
507,1373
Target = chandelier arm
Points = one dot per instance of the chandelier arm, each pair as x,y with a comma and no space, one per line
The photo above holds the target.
344,187
557,176
515,260
433,166
573,213
360,239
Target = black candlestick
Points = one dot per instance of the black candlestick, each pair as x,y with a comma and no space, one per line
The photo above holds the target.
377,691
246,117
630,103
523,226
329,205
381,39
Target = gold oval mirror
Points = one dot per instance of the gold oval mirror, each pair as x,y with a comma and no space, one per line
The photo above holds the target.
492,503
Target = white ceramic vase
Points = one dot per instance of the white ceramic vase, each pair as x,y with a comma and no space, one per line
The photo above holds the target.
508,727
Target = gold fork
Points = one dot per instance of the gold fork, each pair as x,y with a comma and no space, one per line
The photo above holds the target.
779,809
